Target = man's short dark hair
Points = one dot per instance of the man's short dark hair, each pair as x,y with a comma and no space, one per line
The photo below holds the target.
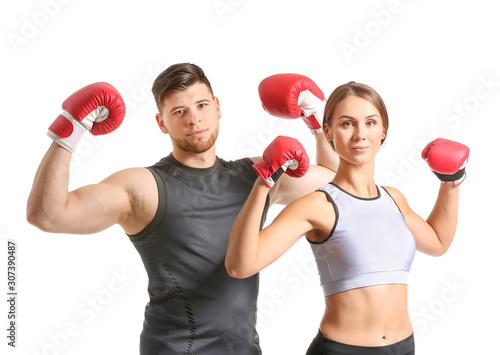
178,77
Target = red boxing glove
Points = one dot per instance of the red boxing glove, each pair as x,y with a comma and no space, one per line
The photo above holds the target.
98,108
447,159
283,155
293,96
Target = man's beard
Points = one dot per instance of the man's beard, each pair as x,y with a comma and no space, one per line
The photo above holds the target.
198,146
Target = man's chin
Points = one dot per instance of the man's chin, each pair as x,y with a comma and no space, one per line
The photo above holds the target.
198,146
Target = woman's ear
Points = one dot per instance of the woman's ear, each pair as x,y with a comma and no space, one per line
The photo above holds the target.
327,131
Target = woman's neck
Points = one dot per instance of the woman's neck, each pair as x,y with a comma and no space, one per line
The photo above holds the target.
356,179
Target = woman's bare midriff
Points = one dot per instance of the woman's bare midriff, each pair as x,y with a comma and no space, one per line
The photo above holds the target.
368,316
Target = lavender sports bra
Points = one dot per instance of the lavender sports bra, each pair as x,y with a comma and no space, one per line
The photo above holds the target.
369,245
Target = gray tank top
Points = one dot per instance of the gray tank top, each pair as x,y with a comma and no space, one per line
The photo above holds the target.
195,307
370,243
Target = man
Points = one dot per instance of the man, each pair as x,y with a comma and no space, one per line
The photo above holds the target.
177,213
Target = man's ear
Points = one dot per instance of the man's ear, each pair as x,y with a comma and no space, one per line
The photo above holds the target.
161,123
216,99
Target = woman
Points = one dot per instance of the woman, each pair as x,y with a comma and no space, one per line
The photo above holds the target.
363,236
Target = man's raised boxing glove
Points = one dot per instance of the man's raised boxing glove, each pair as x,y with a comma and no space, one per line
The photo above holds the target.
447,159
98,108
293,96
282,155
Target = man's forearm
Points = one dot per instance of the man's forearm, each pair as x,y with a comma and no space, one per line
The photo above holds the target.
49,192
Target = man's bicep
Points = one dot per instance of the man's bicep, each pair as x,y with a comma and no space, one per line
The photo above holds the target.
93,208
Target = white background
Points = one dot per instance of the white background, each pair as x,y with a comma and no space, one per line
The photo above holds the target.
436,64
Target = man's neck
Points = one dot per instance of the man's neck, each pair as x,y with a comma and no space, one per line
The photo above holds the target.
195,160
